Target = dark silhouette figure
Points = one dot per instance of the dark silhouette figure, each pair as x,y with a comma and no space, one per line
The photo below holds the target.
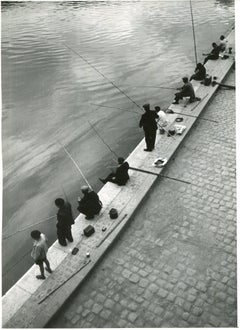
149,125
185,90
214,55
65,221
121,176
90,204
200,72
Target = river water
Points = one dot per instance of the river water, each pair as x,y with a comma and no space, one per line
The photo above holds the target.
49,92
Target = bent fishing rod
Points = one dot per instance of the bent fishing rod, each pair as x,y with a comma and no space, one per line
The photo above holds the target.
112,151
193,30
105,77
76,165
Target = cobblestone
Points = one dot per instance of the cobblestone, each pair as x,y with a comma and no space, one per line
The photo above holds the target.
182,272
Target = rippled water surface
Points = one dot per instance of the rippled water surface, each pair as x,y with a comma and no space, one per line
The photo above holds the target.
48,92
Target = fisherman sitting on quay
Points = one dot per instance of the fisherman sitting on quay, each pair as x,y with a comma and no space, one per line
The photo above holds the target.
65,221
185,91
200,72
120,177
214,55
39,252
90,204
162,120
149,125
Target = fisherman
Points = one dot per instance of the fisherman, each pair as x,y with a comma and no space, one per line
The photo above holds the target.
200,72
223,43
65,221
120,177
90,204
39,252
214,55
185,90
162,120
148,122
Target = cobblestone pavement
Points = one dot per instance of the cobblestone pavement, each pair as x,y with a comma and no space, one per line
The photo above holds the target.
175,264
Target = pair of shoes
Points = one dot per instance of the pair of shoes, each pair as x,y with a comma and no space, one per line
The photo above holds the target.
40,277
175,102
89,217
48,270
102,180
147,149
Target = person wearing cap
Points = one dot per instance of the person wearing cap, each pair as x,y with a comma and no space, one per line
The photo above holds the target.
185,90
39,252
90,204
149,125
65,221
120,177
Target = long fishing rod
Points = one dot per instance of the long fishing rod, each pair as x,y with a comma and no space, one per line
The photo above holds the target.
25,228
107,106
103,140
99,72
76,165
156,87
157,174
194,39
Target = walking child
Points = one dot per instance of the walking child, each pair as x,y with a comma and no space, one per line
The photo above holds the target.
39,252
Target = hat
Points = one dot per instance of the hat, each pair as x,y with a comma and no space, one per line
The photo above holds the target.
84,188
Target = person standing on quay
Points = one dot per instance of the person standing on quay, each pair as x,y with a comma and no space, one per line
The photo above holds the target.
65,221
39,252
149,125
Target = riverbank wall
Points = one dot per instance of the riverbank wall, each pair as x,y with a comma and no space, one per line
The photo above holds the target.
31,303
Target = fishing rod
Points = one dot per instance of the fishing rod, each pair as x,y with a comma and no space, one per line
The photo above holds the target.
76,165
23,229
99,72
157,174
194,39
103,140
156,87
107,106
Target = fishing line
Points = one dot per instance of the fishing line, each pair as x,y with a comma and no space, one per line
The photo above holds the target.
76,165
99,72
103,140
25,228
107,106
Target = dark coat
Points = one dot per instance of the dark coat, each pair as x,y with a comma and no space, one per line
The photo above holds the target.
90,203
187,90
122,173
148,121
64,216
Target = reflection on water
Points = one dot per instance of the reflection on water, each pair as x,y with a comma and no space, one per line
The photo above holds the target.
48,94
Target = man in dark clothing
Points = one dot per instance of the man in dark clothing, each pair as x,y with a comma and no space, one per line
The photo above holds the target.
185,90
200,72
149,125
90,204
121,176
214,55
65,221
